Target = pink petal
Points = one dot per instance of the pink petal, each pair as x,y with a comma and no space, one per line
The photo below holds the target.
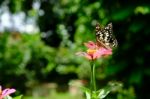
104,51
107,52
89,57
7,92
81,53
101,52
84,54
97,54
90,45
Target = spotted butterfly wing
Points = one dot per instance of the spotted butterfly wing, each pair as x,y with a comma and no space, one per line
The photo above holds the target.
105,37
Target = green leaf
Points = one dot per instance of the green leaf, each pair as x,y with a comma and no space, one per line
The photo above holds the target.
142,10
8,97
122,14
18,97
136,26
112,86
88,96
103,93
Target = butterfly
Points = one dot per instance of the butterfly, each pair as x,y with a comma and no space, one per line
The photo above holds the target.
105,37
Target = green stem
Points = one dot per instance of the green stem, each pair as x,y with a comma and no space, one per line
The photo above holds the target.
93,82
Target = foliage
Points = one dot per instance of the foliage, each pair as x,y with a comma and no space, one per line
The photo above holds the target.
17,97
18,53
67,21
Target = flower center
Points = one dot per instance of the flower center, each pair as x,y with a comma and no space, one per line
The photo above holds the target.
0,92
91,51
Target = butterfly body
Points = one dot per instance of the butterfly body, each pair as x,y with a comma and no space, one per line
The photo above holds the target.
105,37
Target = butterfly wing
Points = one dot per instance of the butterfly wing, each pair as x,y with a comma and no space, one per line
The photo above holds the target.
105,37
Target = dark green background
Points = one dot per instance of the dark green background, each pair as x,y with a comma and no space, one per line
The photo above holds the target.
32,60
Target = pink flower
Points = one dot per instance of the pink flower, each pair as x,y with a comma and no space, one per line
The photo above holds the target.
94,52
6,92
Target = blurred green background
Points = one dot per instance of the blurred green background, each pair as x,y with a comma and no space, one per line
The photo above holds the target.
39,39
